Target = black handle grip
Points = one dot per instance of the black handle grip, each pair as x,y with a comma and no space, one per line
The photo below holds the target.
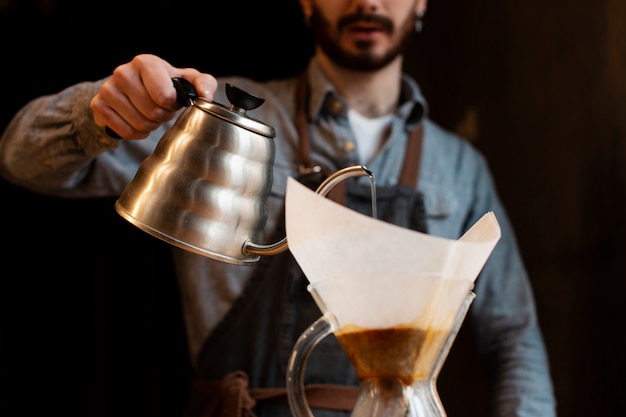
185,92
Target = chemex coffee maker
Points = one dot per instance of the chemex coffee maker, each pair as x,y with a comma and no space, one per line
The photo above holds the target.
394,298
206,185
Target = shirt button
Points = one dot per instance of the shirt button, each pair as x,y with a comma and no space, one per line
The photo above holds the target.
348,146
337,106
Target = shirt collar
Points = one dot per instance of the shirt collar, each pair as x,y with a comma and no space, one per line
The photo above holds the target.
413,107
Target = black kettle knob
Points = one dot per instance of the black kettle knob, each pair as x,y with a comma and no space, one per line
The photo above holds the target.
242,100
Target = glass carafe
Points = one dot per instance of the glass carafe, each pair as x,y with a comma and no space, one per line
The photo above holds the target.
397,335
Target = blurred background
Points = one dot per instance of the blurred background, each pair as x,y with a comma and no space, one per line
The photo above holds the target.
91,323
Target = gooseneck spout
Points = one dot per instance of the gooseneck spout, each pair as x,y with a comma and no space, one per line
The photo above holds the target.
324,188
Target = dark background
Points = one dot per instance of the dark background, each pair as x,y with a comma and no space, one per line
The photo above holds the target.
90,319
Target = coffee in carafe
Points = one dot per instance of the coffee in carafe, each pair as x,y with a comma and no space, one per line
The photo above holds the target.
384,353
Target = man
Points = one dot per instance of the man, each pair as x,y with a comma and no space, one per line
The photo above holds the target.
358,108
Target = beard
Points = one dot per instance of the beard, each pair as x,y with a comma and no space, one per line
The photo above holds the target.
363,60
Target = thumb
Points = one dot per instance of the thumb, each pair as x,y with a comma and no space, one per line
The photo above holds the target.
205,84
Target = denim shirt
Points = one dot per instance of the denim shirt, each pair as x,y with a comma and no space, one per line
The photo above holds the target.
52,146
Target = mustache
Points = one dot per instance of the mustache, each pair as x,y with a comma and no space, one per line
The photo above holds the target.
382,21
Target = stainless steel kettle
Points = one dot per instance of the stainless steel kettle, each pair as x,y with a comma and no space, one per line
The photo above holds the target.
205,187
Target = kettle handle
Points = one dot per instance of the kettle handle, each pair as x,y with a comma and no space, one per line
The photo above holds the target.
185,91
324,188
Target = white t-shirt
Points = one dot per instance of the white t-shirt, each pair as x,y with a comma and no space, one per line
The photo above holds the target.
370,133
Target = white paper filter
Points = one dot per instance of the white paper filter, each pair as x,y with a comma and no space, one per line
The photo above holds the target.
395,275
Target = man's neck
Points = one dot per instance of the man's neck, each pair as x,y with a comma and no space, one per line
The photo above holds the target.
373,93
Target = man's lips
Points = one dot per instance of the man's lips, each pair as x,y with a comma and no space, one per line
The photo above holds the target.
365,27
365,31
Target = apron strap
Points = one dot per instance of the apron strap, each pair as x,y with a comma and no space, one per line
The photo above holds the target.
409,175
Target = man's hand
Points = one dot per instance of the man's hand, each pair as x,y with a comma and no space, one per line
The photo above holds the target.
140,96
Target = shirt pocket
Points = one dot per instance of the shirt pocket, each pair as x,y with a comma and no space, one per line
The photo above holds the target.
439,203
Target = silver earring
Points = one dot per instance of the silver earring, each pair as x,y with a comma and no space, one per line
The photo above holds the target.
419,25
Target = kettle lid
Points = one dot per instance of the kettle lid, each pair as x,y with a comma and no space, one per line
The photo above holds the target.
241,101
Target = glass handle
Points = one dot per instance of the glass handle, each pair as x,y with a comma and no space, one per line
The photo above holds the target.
297,363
